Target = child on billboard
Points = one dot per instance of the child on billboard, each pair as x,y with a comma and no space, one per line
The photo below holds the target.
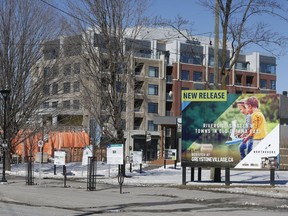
258,128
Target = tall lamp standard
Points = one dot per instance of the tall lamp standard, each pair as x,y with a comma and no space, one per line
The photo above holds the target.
5,94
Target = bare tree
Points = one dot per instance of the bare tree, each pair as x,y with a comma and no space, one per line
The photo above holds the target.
23,27
107,56
241,26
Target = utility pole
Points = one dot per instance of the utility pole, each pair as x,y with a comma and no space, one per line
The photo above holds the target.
216,45
217,171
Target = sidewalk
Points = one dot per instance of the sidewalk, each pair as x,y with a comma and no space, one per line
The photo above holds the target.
242,181
135,200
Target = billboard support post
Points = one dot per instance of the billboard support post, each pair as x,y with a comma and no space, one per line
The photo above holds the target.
199,174
192,174
272,177
227,176
184,175
65,175
217,174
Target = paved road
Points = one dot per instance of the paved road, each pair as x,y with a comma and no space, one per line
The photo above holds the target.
52,198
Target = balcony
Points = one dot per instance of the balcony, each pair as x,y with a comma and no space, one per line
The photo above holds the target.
169,113
138,113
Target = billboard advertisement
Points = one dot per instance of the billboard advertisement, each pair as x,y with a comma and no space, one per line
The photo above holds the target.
230,130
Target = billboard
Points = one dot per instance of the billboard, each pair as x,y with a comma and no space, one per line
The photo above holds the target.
230,130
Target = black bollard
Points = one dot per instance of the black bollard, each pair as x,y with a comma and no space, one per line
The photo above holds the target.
183,175
65,175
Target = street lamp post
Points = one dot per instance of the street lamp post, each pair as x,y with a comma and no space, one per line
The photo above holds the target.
5,94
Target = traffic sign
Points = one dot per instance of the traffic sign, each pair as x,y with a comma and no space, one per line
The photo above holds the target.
40,143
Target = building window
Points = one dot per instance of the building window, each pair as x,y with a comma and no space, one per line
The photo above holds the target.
211,60
47,72
184,75
76,86
54,104
211,77
263,83
45,105
123,124
121,87
241,65
227,80
76,104
152,89
55,88
123,106
153,71
152,107
77,68
249,80
273,84
46,90
197,76
66,87
190,58
55,71
268,68
152,126
66,104
138,68
238,79
67,69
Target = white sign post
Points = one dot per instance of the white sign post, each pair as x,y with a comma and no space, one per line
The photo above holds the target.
87,152
114,155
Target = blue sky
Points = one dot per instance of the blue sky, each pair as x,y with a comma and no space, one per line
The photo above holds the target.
203,23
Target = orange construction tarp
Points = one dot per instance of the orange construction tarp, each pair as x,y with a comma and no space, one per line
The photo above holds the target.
56,141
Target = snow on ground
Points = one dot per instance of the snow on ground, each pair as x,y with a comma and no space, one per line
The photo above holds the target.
243,181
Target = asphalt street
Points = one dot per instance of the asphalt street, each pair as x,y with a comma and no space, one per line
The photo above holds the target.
52,198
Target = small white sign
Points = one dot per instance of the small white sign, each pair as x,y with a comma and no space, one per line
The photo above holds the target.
170,154
87,152
136,157
115,154
59,158
40,143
